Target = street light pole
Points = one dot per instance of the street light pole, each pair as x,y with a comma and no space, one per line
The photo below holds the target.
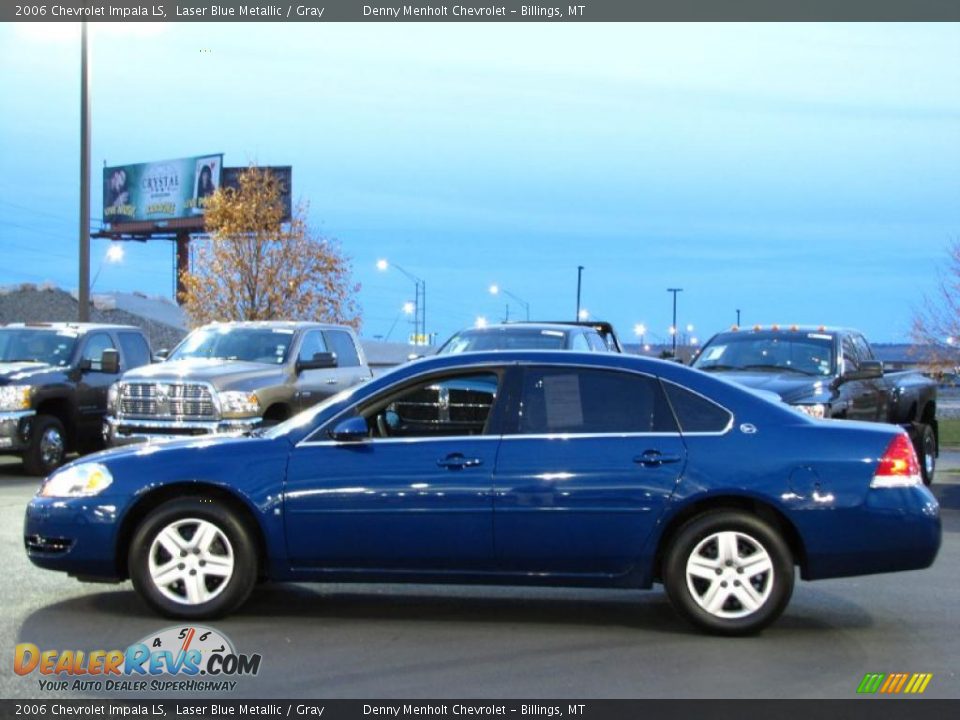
419,298
738,317
83,291
674,325
579,281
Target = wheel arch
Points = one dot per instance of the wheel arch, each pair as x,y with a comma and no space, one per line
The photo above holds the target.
62,410
757,506
277,412
157,496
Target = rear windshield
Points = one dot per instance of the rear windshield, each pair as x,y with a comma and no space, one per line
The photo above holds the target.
260,345
496,339
50,347
794,352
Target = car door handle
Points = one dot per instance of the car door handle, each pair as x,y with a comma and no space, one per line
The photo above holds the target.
655,458
457,461
332,381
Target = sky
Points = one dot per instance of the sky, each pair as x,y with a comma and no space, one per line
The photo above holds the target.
803,173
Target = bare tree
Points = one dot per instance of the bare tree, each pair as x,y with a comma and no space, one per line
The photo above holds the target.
937,323
256,267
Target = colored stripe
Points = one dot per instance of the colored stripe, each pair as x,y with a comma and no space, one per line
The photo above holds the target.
891,679
899,685
871,683
914,683
926,681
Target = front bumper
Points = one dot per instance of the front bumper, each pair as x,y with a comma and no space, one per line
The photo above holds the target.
15,430
74,535
123,431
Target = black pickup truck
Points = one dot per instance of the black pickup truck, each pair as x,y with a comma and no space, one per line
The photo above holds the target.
54,380
828,373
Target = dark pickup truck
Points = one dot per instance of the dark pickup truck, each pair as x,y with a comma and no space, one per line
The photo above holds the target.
828,373
54,380
235,377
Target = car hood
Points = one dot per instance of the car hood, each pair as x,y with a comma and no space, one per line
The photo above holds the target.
789,387
219,373
23,372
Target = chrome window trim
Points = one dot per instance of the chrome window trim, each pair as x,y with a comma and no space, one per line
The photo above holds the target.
730,413
308,442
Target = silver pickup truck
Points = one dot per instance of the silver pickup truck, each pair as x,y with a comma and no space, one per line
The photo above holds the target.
234,377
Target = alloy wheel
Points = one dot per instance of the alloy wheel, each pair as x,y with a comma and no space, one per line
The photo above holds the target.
191,561
730,574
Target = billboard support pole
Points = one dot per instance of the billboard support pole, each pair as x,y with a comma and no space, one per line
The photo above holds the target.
183,264
83,291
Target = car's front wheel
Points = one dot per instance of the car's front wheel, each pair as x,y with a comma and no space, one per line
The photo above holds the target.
728,572
193,557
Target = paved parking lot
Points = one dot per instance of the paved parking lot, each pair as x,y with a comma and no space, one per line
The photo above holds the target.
392,641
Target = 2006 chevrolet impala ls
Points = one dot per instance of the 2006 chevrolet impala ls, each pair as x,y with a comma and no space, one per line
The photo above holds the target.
537,468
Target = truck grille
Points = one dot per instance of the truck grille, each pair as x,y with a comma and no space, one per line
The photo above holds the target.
179,401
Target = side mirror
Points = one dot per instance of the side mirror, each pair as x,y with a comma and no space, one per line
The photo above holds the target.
320,361
869,370
161,354
110,361
352,429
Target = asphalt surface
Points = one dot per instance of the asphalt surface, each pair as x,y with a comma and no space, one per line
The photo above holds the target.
389,641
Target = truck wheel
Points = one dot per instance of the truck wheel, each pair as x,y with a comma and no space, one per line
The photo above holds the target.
47,448
193,558
728,572
926,446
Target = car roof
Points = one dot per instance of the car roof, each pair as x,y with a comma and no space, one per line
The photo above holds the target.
277,324
550,357
788,329
519,326
79,328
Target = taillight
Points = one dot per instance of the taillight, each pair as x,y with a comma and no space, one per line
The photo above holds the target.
899,466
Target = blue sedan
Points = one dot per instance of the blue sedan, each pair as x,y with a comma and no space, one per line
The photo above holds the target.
524,468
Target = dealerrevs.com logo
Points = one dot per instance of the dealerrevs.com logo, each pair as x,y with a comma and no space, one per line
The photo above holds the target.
181,658
894,683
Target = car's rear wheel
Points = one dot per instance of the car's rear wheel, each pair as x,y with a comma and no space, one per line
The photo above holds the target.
926,445
192,558
728,572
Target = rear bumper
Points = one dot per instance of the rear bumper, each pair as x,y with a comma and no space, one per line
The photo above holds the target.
123,431
895,529
15,430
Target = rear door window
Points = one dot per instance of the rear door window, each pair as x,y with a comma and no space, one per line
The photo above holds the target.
695,413
585,401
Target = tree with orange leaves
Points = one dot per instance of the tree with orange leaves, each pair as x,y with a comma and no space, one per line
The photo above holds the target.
257,267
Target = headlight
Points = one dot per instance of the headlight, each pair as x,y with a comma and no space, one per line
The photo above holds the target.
113,396
815,411
235,404
15,397
78,481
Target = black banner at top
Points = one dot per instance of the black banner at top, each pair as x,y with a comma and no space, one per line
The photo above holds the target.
474,11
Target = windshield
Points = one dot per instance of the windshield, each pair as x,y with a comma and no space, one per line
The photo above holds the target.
497,339
50,347
801,353
259,345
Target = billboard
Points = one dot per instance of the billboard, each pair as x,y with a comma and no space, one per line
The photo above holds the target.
156,191
231,178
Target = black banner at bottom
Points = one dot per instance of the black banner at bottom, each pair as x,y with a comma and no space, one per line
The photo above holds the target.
854,709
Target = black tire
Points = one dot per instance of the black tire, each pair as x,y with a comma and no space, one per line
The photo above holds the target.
47,448
925,443
771,589
227,594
